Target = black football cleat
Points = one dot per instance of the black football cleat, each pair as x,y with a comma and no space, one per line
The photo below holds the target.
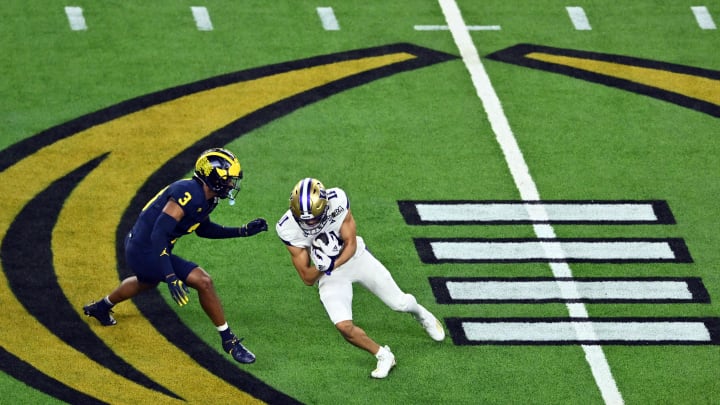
239,352
101,314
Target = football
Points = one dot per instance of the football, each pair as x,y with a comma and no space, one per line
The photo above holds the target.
325,249
323,237
328,243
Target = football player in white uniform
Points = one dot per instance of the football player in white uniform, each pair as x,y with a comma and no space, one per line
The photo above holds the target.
320,233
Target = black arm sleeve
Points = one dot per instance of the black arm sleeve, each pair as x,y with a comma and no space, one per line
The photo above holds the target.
212,230
161,236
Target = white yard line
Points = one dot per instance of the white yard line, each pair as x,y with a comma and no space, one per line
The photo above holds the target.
496,250
76,18
703,17
528,191
445,28
328,19
579,18
566,331
202,18
558,212
528,290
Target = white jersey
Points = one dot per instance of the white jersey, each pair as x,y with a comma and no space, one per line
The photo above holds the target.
338,205
335,290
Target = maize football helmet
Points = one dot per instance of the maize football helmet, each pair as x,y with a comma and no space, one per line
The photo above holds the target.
309,205
220,170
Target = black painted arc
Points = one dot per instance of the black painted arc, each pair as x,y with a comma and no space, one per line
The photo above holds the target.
152,305
27,260
517,55
31,376
425,57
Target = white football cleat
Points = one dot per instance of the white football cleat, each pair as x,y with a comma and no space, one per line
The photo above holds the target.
386,361
432,326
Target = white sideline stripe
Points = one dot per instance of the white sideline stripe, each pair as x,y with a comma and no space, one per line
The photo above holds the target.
651,331
202,18
548,290
525,185
327,17
489,212
553,250
578,18
445,28
703,17
75,18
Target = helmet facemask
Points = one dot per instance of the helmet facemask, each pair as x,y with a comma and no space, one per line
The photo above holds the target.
312,225
229,188
220,170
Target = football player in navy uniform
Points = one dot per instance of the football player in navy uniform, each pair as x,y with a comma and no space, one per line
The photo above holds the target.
181,208
320,233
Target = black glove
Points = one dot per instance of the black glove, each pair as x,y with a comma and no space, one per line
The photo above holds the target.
253,227
178,290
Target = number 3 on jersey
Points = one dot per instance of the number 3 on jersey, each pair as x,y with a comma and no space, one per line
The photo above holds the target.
186,199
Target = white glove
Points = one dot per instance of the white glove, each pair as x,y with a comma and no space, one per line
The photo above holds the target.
326,248
322,261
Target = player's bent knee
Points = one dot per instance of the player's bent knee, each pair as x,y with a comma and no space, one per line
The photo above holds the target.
200,280
405,304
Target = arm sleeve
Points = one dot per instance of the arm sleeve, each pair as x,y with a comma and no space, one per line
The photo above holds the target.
212,230
160,237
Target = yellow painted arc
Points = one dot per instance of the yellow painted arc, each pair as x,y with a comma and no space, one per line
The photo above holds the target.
83,241
701,88
29,340
26,338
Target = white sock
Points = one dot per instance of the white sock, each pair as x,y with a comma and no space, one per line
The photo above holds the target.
222,327
107,301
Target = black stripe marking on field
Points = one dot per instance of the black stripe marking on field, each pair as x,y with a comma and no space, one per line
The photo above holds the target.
472,252
696,291
661,213
556,331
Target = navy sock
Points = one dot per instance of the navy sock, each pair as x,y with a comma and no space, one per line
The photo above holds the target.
103,305
226,335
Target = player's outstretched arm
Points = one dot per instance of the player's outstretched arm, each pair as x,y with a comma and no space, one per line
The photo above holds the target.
211,230
254,227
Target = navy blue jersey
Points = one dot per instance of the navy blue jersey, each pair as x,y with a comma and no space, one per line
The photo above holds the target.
189,194
145,263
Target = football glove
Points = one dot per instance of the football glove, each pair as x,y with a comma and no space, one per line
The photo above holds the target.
323,261
178,290
253,227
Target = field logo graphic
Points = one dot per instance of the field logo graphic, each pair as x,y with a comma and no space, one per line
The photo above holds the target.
77,187
76,190
687,86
